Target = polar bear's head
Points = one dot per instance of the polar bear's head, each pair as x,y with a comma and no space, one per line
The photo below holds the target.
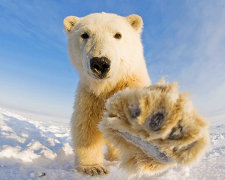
104,46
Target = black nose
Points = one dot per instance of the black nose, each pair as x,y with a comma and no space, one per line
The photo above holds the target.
100,66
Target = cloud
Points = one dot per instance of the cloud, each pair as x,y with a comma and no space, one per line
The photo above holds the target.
35,21
206,73
194,55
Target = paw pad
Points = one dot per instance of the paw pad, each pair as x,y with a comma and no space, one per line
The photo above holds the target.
156,121
135,111
176,133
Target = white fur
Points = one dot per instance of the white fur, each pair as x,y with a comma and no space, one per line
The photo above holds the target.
127,69
125,54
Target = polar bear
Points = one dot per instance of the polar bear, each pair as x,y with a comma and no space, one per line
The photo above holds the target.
107,52
154,128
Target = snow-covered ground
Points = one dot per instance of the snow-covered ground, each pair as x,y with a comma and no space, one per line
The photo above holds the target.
42,150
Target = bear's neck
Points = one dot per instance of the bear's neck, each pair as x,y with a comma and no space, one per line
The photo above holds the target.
106,89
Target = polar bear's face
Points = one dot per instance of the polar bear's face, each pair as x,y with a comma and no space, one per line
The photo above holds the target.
101,45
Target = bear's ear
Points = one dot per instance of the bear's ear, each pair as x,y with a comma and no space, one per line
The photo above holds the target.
135,21
70,22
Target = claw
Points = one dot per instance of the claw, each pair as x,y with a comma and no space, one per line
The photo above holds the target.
93,170
176,133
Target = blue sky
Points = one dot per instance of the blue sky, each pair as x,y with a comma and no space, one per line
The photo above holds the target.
183,41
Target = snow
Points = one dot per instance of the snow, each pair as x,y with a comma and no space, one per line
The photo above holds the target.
32,149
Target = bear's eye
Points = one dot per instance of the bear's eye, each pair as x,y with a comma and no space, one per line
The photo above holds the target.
117,36
84,36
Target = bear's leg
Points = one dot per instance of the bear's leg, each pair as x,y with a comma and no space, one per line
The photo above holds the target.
89,154
112,154
88,141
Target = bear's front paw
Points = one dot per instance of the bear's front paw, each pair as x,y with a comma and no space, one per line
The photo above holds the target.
92,170
154,128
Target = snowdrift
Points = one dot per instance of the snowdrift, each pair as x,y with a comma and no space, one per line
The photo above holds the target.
42,150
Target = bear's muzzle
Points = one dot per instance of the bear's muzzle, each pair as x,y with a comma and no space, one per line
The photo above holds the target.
100,66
